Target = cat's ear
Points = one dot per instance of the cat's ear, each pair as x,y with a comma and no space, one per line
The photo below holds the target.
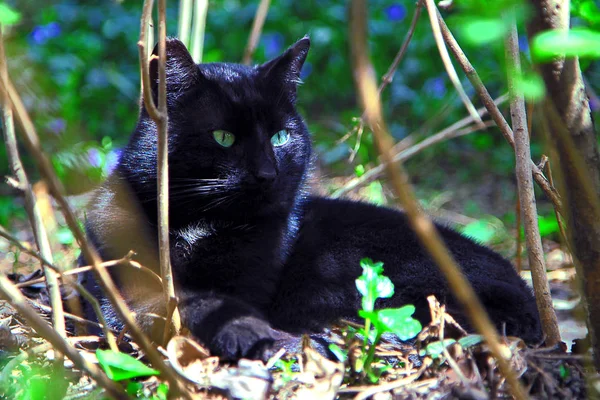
181,70
286,68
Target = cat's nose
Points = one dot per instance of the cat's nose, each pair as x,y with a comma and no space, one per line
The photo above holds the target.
265,175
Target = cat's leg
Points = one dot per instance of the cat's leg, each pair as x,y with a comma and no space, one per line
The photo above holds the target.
229,327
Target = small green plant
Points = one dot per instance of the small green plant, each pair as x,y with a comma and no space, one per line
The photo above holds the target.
373,285
123,367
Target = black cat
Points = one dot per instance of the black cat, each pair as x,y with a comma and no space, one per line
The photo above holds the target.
254,255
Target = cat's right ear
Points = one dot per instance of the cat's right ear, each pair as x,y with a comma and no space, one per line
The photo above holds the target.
181,70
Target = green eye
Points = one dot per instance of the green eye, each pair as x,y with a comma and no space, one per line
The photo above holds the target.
224,138
280,138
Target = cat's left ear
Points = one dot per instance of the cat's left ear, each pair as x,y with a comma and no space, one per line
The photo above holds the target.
181,70
286,68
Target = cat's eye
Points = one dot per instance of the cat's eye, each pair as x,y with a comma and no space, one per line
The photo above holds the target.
224,138
280,138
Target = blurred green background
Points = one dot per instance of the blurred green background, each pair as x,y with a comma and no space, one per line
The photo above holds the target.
75,63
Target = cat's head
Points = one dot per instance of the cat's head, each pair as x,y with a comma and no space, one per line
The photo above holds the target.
236,141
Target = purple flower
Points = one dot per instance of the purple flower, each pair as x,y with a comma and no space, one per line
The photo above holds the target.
112,160
42,33
436,87
273,43
523,44
594,104
57,126
395,12
94,158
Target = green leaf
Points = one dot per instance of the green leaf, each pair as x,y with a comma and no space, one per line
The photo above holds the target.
375,193
434,349
480,31
372,285
359,170
470,341
8,16
575,43
589,11
340,354
480,230
564,371
121,366
162,391
65,236
547,225
531,86
399,321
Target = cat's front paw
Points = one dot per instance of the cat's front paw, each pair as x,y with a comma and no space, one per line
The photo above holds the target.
246,337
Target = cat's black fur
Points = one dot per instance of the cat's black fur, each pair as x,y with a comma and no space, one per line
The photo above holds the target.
254,255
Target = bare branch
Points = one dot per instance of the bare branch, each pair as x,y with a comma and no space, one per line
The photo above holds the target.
184,22
104,280
455,130
439,40
257,25
423,227
495,113
389,75
144,64
163,171
9,292
527,195
200,11
31,205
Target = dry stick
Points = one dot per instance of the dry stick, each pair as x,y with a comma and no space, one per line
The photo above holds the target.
9,292
31,205
519,250
389,75
257,25
423,227
199,27
125,261
559,221
163,175
449,132
495,113
439,40
184,22
104,280
144,64
535,252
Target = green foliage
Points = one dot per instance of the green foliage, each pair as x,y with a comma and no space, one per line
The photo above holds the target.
8,16
373,285
582,43
121,366
435,349
30,381
139,391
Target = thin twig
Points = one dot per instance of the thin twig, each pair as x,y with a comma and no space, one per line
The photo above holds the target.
31,205
125,261
439,40
257,25
423,227
449,132
105,281
495,113
144,65
197,42
9,292
561,225
535,253
184,22
389,75
163,173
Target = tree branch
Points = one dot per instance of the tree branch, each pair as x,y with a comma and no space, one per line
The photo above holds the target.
526,193
257,25
31,205
425,230
495,113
